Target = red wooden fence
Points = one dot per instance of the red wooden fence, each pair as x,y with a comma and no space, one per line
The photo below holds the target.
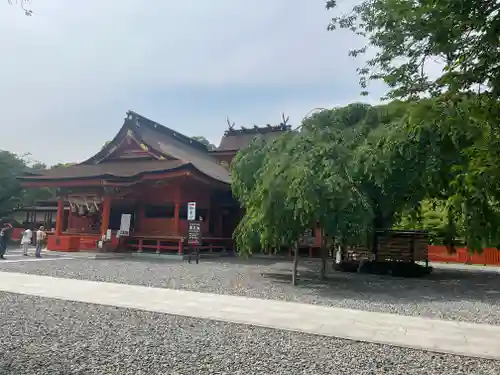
487,257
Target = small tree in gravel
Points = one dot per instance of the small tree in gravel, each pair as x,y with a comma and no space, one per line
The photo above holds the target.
296,181
260,178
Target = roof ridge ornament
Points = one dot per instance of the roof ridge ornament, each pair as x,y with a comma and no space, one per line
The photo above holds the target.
283,126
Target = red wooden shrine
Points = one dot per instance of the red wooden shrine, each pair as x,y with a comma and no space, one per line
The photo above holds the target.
150,172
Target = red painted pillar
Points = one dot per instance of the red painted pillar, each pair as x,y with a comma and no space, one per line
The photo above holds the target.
177,209
106,211
59,217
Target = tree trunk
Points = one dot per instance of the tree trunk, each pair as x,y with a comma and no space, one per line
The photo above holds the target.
295,263
324,255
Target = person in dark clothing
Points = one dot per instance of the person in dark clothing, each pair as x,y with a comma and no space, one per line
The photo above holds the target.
4,239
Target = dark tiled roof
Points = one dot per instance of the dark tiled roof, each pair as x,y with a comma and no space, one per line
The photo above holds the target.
138,123
114,169
158,138
173,147
238,141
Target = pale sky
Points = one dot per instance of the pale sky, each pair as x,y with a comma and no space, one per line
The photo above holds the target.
69,73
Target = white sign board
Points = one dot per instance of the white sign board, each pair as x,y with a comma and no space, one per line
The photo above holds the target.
191,214
125,225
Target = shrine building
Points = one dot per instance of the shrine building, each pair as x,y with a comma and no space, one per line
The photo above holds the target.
149,172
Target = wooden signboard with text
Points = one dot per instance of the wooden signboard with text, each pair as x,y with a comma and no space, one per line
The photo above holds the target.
194,233
194,239
308,239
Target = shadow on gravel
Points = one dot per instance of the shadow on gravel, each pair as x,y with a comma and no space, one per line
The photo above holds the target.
441,285
451,293
206,261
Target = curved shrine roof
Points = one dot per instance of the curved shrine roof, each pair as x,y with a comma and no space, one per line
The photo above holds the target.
160,142
125,169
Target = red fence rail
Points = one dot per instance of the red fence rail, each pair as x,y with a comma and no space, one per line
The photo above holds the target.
437,253
489,257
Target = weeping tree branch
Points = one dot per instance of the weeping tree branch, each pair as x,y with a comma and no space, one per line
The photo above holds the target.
24,4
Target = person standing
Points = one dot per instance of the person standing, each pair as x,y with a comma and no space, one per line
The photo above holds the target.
26,240
4,239
40,241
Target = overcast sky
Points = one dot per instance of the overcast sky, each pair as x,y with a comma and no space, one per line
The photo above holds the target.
69,73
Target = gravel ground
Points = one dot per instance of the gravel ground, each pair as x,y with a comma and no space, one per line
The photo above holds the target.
45,336
447,294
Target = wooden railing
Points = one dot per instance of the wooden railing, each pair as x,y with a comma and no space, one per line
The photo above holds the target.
140,243
173,244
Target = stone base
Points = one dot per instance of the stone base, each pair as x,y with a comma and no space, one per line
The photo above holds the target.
97,254
89,255
177,256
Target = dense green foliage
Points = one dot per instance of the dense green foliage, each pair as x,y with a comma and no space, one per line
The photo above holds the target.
12,195
411,40
10,191
447,52
428,164
453,143
332,173
285,190
431,217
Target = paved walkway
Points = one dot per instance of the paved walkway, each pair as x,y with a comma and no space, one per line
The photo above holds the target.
15,255
477,340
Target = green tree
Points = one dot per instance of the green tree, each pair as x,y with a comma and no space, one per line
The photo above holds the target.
453,142
205,141
364,129
267,212
453,135
11,192
431,217
297,186
408,36
334,173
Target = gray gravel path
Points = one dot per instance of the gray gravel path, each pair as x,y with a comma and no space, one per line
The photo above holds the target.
45,336
447,294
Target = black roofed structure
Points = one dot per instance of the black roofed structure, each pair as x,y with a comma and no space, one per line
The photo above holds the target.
141,146
115,170
237,139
